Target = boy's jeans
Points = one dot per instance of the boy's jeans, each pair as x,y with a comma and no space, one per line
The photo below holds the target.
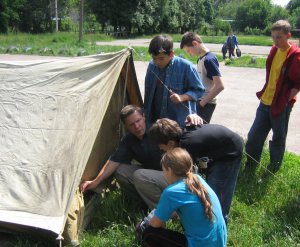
222,177
259,131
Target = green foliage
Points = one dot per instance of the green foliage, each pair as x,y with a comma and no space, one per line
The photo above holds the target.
247,61
221,26
253,13
295,18
278,13
208,11
292,5
144,18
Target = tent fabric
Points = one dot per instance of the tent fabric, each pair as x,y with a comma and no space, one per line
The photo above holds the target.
51,114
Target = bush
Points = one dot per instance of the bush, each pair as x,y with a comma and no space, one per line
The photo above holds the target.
206,29
252,31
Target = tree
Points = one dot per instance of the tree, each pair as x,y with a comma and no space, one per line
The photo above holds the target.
170,16
145,18
208,11
3,17
118,13
191,14
293,4
295,18
253,14
278,13
101,9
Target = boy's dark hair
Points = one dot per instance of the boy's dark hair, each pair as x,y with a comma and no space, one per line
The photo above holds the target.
161,44
128,110
281,25
165,130
188,38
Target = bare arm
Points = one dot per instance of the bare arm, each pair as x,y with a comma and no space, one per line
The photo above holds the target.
217,87
178,98
107,170
156,222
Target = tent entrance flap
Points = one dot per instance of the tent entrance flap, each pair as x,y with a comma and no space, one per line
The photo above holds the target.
56,118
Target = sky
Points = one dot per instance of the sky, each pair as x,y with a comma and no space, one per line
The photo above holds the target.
280,2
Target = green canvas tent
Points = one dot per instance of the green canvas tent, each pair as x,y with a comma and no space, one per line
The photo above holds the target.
59,122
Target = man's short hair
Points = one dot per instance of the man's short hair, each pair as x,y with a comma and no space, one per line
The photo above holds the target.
165,130
188,38
161,44
282,25
128,110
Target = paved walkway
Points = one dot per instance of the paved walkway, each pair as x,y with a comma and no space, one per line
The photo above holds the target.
236,104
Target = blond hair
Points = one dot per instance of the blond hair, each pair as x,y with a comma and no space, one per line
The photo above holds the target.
180,162
282,25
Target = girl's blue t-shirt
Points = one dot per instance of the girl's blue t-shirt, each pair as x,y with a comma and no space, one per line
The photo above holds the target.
198,229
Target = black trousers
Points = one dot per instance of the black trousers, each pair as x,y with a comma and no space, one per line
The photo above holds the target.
205,112
162,237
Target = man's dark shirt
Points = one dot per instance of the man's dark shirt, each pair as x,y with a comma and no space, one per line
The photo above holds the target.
213,141
143,151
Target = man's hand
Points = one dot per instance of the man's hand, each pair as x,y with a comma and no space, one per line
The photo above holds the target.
88,185
193,119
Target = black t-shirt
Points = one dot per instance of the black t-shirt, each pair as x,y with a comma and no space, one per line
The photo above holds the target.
143,151
213,141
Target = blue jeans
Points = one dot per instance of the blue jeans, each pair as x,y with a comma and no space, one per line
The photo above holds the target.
259,131
222,176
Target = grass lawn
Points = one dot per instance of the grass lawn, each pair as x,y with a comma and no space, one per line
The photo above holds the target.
264,213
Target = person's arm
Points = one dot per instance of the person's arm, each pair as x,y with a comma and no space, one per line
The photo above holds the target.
236,41
107,170
156,222
178,98
193,119
191,82
217,87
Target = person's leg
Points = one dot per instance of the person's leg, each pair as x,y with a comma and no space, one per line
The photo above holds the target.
233,51
162,237
222,177
230,51
277,144
149,184
257,135
206,112
124,177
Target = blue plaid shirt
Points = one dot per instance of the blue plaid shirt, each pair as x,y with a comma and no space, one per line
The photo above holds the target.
182,78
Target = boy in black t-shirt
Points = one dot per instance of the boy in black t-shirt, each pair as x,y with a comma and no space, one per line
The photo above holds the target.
219,145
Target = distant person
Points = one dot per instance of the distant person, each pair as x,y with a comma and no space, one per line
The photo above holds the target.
172,84
220,147
208,67
140,181
232,42
276,99
224,50
195,203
